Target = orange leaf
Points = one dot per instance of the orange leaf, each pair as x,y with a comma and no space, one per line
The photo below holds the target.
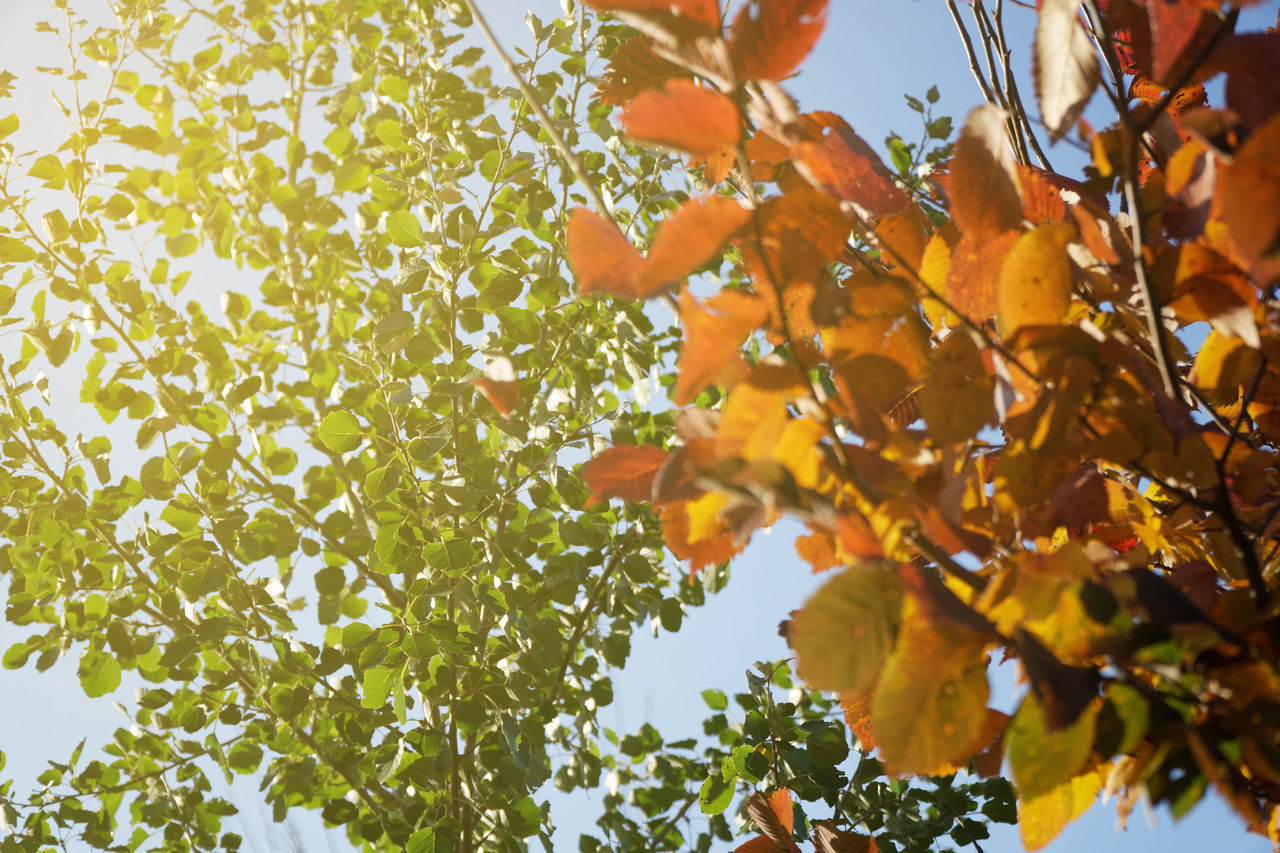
602,258
1035,281
759,844
700,11
841,164
711,340
688,239
704,552
625,471
1249,193
984,184
499,385
974,274
780,804
633,68
818,551
683,116
502,395
857,715
770,38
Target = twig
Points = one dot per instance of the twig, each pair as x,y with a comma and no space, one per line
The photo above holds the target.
531,98
1155,327
973,56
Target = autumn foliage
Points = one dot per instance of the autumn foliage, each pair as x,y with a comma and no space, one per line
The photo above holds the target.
1022,415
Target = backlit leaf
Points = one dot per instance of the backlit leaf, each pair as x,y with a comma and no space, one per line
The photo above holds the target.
984,184
1042,818
602,258
623,471
924,717
841,164
405,230
713,333
687,239
1065,65
1036,279
683,116
770,38
1249,191
702,11
1041,757
845,632
340,432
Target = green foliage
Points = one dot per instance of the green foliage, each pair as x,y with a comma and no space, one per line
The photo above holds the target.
800,744
288,515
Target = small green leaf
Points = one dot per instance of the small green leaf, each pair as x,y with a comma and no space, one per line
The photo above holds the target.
340,432
715,699
405,230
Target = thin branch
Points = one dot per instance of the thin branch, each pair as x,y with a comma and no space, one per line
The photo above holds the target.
973,56
1155,326
531,98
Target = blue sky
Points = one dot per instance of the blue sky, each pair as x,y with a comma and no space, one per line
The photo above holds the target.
871,54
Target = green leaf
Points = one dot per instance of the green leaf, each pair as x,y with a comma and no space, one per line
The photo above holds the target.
715,699
715,795
99,673
405,230
1042,758
452,557
340,432
422,841
377,685
526,817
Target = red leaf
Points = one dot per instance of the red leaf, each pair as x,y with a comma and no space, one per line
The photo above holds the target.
688,239
701,11
1252,63
843,165
625,472
683,116
770,38
1174,26
633,68
602,258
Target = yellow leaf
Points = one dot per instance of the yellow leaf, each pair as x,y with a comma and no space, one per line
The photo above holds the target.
958,397
704,517
931,701
797,449
843,634
1042,758
1042,818
1035,281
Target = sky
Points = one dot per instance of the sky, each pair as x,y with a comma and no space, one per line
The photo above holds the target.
871,54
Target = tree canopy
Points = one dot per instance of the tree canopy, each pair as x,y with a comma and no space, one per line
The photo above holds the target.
329,350
1030,414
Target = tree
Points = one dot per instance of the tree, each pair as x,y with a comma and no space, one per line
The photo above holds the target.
1027,423
327,521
